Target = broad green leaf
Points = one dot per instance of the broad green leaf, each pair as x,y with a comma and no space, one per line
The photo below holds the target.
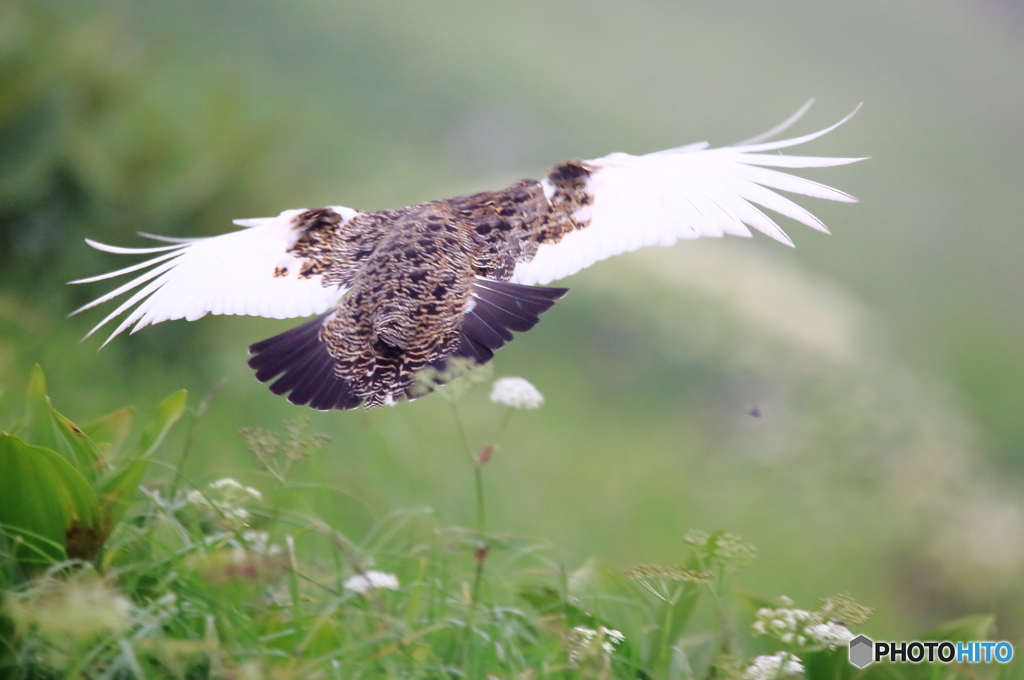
42,497
112,429
44,426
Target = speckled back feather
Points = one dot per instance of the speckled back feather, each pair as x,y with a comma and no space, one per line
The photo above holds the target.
424,284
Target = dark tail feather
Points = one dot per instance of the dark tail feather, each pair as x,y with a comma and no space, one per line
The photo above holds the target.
308,368
500,308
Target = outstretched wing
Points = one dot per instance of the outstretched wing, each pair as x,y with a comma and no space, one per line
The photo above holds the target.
250,272
688,192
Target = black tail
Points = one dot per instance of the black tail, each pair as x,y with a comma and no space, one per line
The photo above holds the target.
500,308
308,368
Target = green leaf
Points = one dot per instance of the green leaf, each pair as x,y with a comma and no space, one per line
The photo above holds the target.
112,429
44,426
3,404
42,496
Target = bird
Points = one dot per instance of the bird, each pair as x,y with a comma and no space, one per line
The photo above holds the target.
403,292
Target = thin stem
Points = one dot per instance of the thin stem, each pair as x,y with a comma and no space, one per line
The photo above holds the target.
197,416
477,471
666,632
462,430
481,520
504,425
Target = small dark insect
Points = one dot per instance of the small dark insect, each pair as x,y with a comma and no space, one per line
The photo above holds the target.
399,291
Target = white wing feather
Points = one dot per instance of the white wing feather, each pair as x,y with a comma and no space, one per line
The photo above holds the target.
681,193
228,274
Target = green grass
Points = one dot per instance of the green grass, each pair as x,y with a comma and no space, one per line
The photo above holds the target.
187,580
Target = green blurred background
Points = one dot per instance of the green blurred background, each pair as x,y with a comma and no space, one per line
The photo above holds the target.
886,360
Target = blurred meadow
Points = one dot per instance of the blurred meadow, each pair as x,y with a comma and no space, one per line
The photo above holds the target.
854,406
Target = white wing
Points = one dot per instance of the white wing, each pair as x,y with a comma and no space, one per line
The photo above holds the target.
688,192
229,274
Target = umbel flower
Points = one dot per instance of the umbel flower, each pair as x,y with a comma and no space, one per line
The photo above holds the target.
516,393
770,667
801,627
227,498
587,642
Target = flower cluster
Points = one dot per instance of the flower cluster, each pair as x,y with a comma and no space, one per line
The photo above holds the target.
656,571
802,628
774,666
587,642
516,393
301,443
830,634
370,580
844,608
723,547
227,497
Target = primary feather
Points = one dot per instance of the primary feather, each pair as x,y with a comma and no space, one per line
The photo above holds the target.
409,289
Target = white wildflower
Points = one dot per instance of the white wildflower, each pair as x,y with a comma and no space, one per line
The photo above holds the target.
775,666
516,393
586,642
229,485
800,628
367,581
786,623
832,634
259,543
613,639
228,498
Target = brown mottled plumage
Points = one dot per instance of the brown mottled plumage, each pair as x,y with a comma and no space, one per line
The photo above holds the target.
400,291
412,276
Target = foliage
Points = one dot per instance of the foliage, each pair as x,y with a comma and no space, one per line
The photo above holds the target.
219,582
64,488
84,147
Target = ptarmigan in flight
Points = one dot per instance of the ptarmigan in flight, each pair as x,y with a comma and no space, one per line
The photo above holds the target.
401,290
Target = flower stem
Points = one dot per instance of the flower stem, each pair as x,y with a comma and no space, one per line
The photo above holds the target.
481,523
666,633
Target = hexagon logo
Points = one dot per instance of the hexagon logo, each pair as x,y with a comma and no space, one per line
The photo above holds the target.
861,651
